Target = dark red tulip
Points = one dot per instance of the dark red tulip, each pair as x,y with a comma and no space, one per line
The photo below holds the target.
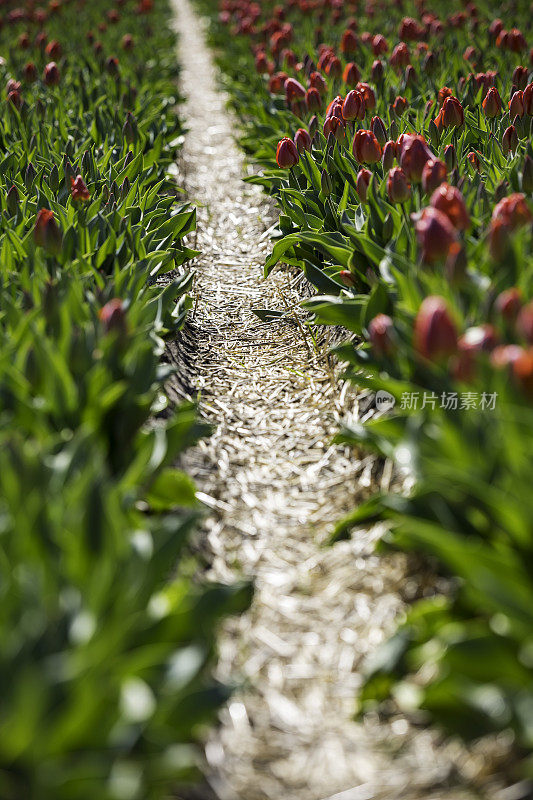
313,99
293,90
113,316
286,153
302,140
453,115
524,323
53,49
46,232
348,42
435,234
450,201
389,154
435,335
414,153
363,181
351,74
509,303
492,104
51,75
366,147
354,106
434,173
398,188
381,335
516,105
78,190
509,140
400,56
481,338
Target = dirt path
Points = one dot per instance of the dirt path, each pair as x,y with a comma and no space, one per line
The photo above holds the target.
274,484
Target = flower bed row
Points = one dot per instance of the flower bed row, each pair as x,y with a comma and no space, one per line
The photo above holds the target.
106,638
396,138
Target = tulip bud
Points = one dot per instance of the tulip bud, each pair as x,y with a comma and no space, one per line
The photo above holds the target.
435,234
450,157
326,184
347,278
78,190
113,317
509,303
362,183
351,74
302,140
381,335
313,125
527,175
12,200
29,176
449,200
47,233
516,105
377,71
378,129
435,335
389,154
125,187
499,239
452,113
51,74
414,153
524,323
433,174
111,66
528,99
313,100
129,130
353,106
509,140
366,147
398,188
492,103
30,72
399,106
522,369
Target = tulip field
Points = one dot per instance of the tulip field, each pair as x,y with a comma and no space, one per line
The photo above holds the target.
106,640
396,138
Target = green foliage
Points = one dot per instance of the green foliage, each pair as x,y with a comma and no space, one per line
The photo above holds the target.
106,632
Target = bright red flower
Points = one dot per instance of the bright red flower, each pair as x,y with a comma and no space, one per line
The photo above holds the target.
78,190
286,153
366,147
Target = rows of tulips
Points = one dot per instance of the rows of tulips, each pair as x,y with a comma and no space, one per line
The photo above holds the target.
397,140
106,635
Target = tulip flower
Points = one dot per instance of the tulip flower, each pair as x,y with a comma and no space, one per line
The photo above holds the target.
434,173
509,140
527,98
313,100
481,338
450,157
293,90
492,104
78,190
400,56
348,42
351,74
522,368
399,106
379,45
450,201
435,234
381,335
389,154
30,72
47,233
513,211
452,112
508,303
366,147
516,105
414,153
53,49
302,140
379,130
286,153
353,106
334,68
368,95
362,182
435,335
398,188
316,81
113,316
376,73
51,75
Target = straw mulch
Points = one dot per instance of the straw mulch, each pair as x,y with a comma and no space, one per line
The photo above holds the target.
274,486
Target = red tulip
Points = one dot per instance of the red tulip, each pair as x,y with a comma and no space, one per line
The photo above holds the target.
30,72
509,140
509,303
433,174
516,105
354,106
53,49
513,211
113,316
435,234
348,42
381,335
379,45
363,181
453,115
443,94
313,100
414,153
351,74
46,232
450,201
78,190
316,81
366,147
293,90
389,154
435,335
492,104
286,153
51,75
302,140
400,56
399,106
482,338
398,188
528,99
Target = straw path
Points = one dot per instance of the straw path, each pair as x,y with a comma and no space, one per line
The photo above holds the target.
275,486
